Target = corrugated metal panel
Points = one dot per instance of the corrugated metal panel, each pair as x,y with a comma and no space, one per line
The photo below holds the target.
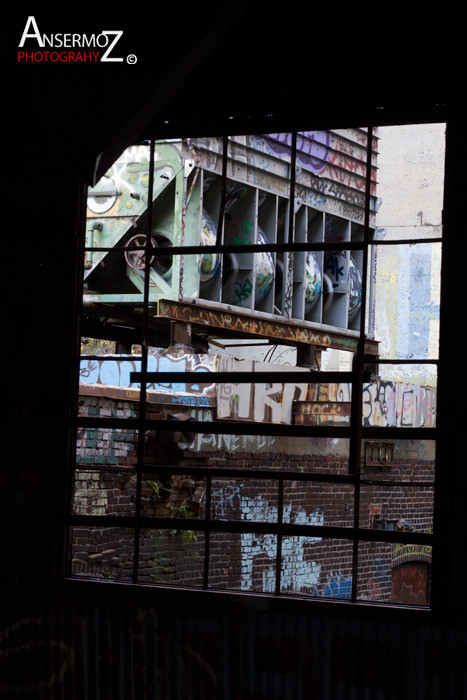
112,647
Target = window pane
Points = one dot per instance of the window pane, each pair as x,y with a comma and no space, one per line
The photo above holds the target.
410,181
105,447
98,492
243,561
318,504
171,557
407,298
170,495
117,215
102,552
303,454
400,396
253,500
398,461
394,573
397,508
317,567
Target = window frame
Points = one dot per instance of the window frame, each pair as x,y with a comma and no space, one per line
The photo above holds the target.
356,432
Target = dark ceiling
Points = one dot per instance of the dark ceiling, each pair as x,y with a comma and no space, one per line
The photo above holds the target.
201,63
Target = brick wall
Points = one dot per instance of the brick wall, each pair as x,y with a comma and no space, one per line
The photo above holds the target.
105,484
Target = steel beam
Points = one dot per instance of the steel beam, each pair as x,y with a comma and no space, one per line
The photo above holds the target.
282,331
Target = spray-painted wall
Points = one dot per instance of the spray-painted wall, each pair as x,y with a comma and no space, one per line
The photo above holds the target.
407,281
310,565
385,403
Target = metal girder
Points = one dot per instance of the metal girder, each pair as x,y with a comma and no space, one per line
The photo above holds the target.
205,316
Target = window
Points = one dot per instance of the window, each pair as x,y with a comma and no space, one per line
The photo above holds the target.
259,346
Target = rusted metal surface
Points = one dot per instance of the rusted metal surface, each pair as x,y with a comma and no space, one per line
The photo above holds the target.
379,453
214,318
155,397
320,412
318,408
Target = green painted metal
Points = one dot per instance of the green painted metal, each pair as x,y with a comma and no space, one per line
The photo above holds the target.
188,191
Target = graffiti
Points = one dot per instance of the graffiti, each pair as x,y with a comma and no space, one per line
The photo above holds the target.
288,286
337,586
410,583
121,195
379,404
246,229
333,266
349,171
258,552
115,371
263,166
223,500
266,402
412,552
394,404
243,290
231,444
241,323
383,401
312,147
196,401
20,642
407,407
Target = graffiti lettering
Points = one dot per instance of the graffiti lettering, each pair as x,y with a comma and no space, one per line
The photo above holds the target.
115,371
243,290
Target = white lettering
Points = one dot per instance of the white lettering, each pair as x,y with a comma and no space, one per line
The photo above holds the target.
118,33
88,41
34,35
31,31
106,40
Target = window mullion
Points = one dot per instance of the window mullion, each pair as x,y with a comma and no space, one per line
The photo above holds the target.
357,373
144,368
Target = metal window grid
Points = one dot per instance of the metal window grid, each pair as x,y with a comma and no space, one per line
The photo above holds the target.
355,433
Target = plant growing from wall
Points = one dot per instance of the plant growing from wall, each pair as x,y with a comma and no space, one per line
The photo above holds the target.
156,488
184,511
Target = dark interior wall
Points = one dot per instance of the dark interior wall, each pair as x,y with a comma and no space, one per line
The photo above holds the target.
56,120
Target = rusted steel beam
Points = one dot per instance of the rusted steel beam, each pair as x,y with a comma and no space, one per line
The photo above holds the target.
256,325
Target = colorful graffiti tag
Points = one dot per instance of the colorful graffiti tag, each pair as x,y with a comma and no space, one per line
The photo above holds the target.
385,403
115,371
410,583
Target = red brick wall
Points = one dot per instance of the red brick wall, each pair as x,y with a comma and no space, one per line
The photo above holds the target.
310,565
